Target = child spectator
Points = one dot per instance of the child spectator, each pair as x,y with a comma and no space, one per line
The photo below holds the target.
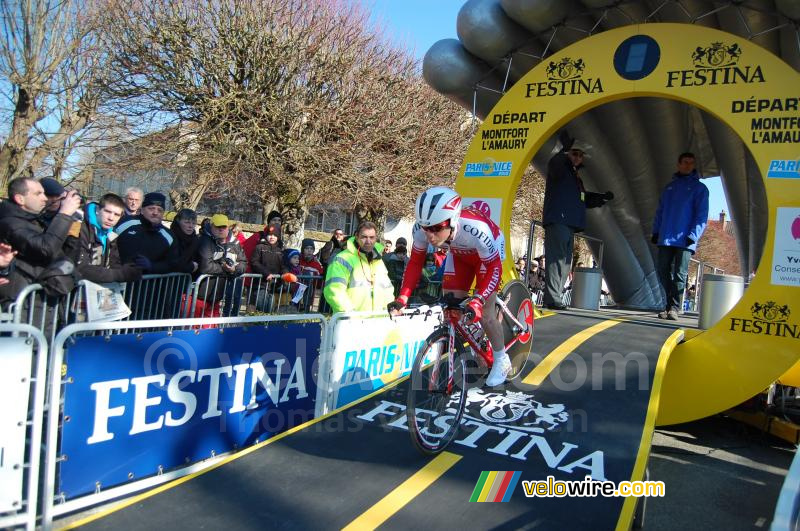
308,262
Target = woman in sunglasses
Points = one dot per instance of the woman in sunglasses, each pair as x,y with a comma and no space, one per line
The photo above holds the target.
475,251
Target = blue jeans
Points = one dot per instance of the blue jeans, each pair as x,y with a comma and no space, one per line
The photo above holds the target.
673,265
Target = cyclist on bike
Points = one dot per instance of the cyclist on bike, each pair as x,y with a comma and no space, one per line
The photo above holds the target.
475,250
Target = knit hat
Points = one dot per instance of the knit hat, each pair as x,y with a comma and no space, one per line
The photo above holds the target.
308,242
401,241
154,198
52,188
289,253
272,215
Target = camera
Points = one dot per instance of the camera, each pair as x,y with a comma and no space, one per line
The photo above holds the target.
228,262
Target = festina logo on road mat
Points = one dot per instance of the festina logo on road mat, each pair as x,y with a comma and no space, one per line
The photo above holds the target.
769,318
508,424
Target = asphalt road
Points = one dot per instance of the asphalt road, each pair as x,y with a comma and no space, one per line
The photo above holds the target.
719,474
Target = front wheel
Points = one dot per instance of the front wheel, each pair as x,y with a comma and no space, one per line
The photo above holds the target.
435,403
518,300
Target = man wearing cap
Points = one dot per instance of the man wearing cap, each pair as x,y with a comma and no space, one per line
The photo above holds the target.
144,241
55,193
564,214
396,263
220,254
38,245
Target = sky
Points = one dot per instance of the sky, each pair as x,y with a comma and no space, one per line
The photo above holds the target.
418,24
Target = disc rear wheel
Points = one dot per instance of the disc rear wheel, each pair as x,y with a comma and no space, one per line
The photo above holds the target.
518,299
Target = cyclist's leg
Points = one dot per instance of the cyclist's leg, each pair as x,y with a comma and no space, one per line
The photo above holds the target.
491,324
501,365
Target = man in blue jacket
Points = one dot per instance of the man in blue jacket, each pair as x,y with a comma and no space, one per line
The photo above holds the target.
564,214
680,221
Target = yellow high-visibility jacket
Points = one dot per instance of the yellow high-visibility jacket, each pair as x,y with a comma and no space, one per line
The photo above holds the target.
355,284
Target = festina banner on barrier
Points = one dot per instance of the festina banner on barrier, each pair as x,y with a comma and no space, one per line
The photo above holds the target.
363,362
15,382
139,404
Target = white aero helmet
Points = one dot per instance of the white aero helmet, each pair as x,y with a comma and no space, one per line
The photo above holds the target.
437,205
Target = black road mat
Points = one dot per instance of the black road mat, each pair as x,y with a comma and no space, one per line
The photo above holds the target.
587,418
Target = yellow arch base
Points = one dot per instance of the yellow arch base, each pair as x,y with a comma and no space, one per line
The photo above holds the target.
740,82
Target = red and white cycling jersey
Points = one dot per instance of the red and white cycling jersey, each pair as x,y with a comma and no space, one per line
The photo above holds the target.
475,250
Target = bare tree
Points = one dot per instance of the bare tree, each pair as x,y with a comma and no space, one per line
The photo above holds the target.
50,61
290,101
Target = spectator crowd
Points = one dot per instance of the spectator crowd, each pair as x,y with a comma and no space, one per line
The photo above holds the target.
51,236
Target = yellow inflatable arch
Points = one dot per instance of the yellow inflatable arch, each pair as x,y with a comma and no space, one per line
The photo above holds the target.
738,82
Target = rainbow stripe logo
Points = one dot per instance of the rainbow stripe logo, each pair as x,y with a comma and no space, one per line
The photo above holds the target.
494,486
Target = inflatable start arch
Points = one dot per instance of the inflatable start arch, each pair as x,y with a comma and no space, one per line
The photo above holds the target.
756,95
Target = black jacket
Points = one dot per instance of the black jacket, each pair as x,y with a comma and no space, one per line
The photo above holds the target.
332,247
210,256
187,247
16,283
565,198
137,236
38,246
95,263
211,253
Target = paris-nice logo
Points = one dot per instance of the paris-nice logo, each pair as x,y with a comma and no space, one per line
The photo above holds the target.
768,318
564,78
716,64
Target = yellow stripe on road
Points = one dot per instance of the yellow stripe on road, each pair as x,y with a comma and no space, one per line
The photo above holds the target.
537,375
404,493
629,505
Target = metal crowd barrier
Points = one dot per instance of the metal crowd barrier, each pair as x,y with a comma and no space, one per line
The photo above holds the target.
428,294
157,296
529,248
152,297
24,363
699,268
46,313
252,294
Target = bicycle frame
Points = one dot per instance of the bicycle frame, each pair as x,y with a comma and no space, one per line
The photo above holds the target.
454,317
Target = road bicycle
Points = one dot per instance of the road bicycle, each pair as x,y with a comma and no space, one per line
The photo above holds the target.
439,376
